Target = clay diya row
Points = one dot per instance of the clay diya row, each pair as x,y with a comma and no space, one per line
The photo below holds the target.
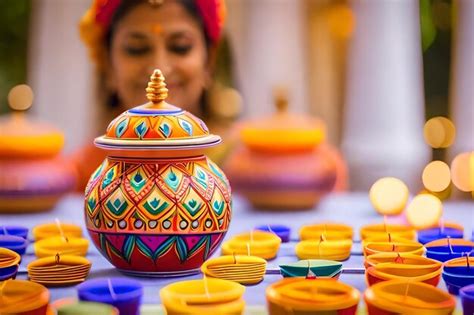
157,206
316,268
9,263
282,231
443,230
239,268
324,248
284,162
396,231
254,243
387,266
446,249
33,176
122,293
59,270
203,296
406,297
300,296
458,273
333,231
23,297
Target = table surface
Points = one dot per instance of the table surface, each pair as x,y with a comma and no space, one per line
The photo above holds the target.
353,209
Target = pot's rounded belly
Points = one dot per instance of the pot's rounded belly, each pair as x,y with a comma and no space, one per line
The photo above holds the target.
160,217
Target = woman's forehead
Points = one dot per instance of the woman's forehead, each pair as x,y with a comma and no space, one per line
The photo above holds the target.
168,19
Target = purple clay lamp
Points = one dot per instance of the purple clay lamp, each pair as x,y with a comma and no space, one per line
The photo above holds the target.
282,231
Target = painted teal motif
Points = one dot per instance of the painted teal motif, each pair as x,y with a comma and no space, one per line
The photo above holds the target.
218,207
192,206
155,206
172,181
109,176
121,128
216,170
91,202
201,177
98,171
165,129
186,126
118,206
141,129
137,182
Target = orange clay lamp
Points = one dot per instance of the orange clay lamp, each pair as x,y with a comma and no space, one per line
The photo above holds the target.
22,297
300,296
32,174
257,243
410,267
203,296
406,297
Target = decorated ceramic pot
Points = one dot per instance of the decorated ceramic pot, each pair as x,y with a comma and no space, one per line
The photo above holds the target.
157,205
33,176
284,161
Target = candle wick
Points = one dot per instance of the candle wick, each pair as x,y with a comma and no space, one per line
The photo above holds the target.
5,230
270,229
248,249
206,288
111,289
57,258
449,244
389,237
441,223
407,288
61,232
467,260
235,258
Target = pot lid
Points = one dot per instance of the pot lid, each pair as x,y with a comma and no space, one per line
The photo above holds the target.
22,136
283,130
156,125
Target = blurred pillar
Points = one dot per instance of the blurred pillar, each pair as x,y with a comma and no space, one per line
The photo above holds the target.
462,78
59,70
383,131
269,40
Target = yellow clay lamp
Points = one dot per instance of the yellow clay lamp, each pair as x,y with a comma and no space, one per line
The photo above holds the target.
324,248
411,247
330,230
33,175
62,246
382,229
22,297
59,270
203,296
404,297
284,162
239,268
56,229
300,296
256,243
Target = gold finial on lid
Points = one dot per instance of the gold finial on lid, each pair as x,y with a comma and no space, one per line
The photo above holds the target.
20,97
156,91
280,97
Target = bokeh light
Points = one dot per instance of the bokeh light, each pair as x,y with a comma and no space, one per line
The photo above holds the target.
341,20
20,97
439,132
436,176
462,171
424,211
389,195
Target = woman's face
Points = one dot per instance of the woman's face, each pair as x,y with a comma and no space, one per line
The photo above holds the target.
166,38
